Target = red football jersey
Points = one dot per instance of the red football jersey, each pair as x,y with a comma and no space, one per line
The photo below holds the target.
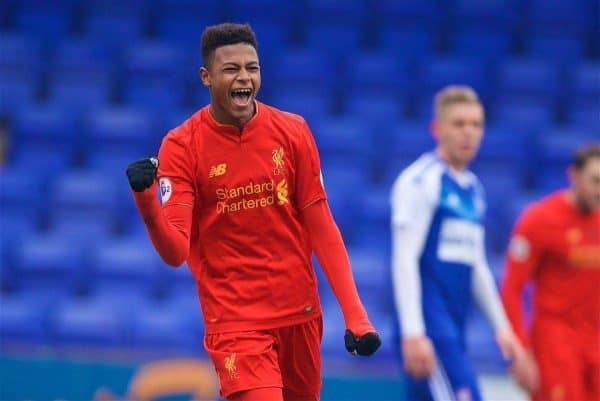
558,249
249,253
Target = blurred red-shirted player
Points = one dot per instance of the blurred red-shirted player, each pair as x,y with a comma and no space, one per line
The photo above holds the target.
556,246
243,202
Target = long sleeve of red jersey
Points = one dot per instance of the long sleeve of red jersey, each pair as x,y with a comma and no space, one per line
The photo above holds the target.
522,257
328,245
168,227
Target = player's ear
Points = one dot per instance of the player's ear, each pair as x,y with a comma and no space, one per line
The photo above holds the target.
572,174
204,76
434,129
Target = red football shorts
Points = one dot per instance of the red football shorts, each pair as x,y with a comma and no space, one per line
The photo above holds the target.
568,360
286,357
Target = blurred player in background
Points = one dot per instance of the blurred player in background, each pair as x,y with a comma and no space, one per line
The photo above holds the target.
556,246
438,258
243,203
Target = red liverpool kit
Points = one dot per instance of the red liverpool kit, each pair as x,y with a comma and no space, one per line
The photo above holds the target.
248,250
557,248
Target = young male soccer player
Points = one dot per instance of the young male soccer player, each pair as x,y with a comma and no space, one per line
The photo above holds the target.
438,260
243,203
556,246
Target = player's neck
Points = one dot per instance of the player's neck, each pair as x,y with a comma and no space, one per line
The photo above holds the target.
221,116
577,204
454,165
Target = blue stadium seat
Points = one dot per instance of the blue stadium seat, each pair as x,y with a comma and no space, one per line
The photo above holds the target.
174,279
484,15
16,225
124,262
22,318
557,50
575,18
301,68
348,13
500,179
375,216
120,128
46,125
585,117
371,269
82,75
482,347
529,116
20,54
380,71
174,324
441,71
586,83
154,97
82,55
411,139
554,152
489,46
114,32
333,39
199,11
83,198
343,137
265,11
309,103
406,43
49,22
113,164
272,37
24,190
148,61
98,321
408,14
16,92
375,108
504,144
183,21
529,78
118,8
81,96
332,342
343,179
185,30
49,263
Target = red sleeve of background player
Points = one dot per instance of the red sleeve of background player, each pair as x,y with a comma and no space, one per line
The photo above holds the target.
169,226
522,258
309,187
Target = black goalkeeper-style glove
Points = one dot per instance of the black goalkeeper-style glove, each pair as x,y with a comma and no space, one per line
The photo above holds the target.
142,173
364,345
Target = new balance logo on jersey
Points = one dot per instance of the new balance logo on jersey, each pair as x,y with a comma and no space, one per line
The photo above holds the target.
217,170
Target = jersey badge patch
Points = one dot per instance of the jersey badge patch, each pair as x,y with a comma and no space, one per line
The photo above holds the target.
166,189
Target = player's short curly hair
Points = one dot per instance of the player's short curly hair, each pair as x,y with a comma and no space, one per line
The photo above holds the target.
584,154
216,36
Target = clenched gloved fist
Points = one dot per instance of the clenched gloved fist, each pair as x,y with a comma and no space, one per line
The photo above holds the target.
142,173
364,345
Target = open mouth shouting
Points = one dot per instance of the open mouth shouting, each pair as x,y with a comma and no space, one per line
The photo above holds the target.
241,97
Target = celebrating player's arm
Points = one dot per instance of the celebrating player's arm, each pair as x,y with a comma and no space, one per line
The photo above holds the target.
360,338
168,227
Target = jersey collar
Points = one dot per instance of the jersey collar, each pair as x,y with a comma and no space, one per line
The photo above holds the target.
228,129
